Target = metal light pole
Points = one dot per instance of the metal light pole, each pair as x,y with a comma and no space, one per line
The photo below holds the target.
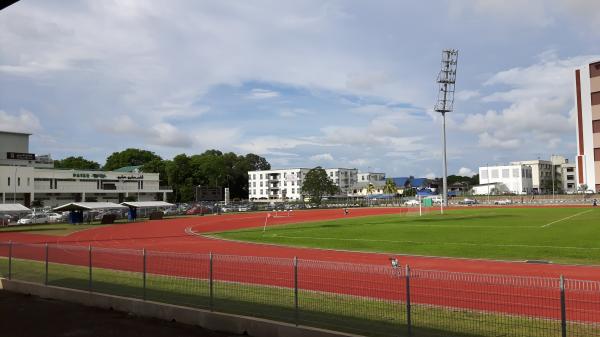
445,101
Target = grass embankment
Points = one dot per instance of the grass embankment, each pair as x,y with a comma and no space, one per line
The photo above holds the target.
58,229
567,235
338,312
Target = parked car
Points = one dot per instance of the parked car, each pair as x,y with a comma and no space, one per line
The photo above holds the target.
198,210
467,201
6,219
412,202
55,217
503,202
32,219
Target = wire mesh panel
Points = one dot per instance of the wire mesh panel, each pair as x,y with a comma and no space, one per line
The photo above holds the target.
446,303
4,253
582,304
28,262
178,278
351,297
256,286
118,272
68,266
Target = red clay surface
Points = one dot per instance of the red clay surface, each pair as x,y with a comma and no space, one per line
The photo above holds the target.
507,294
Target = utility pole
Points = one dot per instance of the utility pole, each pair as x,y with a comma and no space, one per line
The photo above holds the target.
445,102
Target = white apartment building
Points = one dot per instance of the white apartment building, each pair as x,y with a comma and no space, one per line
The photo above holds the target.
565,173
541,174
286,184
25,178
371,177
278,184
514,178
587,104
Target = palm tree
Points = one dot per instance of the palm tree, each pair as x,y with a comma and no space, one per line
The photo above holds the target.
390,187
370,189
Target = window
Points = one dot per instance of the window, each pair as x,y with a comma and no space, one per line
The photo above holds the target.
28,181
505,173
596,126
484,174
254,176
261,184
19,181
261,192
596,98
293,189
261,176
597,154
8,181
494,173
254,184
292,183
516,172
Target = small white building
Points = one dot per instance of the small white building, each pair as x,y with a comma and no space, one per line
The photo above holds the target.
514,178
371,177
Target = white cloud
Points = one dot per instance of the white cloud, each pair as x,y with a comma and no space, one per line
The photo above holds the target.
291,113
162,134
465,172
323,157
262,94
538,105
465,95
22,121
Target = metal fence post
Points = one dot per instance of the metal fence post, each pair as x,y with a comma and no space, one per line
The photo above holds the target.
296,290
90,267
10,245
210,280
563,308
46,277
144,272
408,317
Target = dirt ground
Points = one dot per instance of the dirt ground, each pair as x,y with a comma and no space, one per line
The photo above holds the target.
31,316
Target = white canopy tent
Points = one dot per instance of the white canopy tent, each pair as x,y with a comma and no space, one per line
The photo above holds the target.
88,206
13,208
147,204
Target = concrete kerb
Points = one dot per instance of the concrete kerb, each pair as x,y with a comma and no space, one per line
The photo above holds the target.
215,321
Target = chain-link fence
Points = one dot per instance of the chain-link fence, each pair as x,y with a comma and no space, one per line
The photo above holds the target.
374,300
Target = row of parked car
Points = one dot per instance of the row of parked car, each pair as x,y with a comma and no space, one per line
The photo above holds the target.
33,218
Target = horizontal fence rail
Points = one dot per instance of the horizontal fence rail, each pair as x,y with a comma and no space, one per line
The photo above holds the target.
374,300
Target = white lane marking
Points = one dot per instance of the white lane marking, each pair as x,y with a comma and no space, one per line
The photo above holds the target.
425,242
569,217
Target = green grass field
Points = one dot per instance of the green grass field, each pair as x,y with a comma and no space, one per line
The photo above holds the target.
338,312
566,235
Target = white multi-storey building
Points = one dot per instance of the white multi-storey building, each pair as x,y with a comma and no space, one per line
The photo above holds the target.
25,178
286,184
370,177
587,104
541,174
514,178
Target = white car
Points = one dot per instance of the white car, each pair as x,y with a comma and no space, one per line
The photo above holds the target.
412,202
503,202
32,219
55,217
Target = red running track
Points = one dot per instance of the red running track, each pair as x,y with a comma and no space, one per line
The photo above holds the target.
510,292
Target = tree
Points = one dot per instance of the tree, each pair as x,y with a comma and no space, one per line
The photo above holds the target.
317,184
129,157
76,163
256,162
390,187
157,166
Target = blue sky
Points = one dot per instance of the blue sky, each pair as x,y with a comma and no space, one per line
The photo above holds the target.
303,83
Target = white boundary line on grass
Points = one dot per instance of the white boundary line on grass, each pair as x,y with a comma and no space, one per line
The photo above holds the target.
425,242
569,217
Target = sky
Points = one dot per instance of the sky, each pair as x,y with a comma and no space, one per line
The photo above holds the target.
302,83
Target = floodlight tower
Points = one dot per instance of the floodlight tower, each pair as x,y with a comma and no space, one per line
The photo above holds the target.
445,102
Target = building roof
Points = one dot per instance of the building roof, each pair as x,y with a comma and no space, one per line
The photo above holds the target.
87,206
129,168
16,133
10,208
142,204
